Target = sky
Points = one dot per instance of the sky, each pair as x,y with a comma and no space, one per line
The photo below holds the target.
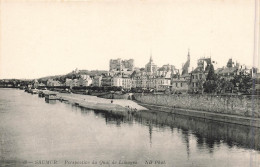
43,38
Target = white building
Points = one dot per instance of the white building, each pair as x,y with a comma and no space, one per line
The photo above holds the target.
163,83
52,82
124,82
85,81
127,83
97,81
68,82
117,81
75,83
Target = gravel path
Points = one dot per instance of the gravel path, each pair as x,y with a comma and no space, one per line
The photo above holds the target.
96,100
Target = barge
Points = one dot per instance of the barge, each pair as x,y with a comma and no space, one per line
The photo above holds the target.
51,96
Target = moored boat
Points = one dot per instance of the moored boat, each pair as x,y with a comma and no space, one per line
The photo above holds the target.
35,91
40,94
51,96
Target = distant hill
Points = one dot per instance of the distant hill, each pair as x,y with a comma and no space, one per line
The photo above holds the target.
87,72
72,75
93,72
50,77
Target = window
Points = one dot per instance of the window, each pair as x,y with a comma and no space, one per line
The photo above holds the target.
181,84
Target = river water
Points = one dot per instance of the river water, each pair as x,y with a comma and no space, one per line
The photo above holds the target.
37,133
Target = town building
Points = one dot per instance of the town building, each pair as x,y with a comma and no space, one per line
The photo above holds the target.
232,69
97,81
69,82
124,82
116,81
84,80
163,83
52,82
127,83
140,81
151,82
181,82
166,69
199,74
106,81
229,71
75,83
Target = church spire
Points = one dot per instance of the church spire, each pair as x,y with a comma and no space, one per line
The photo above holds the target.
151,58
189,54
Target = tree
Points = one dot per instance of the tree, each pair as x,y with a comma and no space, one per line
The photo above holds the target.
211,74
229,86
211,84
62,79
243,82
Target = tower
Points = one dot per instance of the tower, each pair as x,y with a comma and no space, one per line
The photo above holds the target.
150,67
186,66
188,60
188,56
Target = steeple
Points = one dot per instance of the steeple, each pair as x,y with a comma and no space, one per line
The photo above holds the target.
151,58
188,58
186,66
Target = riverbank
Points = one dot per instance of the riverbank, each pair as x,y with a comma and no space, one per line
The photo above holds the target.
125,106
96,103
231,109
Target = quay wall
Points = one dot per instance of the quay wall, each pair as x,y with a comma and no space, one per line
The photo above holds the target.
115,96
230,105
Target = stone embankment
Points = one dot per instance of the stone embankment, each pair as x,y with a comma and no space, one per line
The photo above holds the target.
233,109
234,105
117,96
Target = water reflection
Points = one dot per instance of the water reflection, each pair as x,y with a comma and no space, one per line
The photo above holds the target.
209,134
114,119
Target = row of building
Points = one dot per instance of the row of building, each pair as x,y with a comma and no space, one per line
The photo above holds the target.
123,73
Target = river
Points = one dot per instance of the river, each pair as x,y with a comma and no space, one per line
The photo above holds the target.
37,133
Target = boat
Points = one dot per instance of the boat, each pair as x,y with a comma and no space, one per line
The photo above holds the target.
51,96
35,91
29,90
40,94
